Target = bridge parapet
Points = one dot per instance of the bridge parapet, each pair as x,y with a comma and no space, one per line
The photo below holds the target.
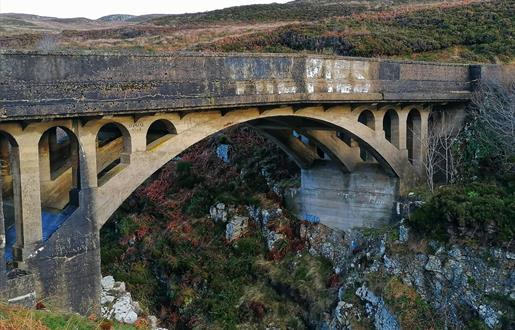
65,85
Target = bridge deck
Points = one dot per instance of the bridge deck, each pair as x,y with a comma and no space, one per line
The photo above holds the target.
36,85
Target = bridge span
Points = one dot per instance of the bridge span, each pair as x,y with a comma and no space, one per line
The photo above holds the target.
79,133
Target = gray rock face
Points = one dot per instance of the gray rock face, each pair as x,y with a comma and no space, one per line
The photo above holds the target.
271,238
403,233
376,308
456,281
433,264
219,212
117,304
236,228
107,282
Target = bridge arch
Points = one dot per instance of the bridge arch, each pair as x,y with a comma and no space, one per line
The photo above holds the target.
113,147
119,187
391,126
414,136
59,174
367,118
159,131
10,195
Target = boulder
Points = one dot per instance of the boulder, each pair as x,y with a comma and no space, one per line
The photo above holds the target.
376,308
236,228
107,282
219,212
433,264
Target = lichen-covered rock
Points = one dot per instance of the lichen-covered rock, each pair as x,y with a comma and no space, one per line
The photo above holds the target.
107,282
376,308
218,212
236,228
403,233
433,264
123,309
271,238
117,304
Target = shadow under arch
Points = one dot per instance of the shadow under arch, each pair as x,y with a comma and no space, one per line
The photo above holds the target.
59,176
10,199
413,135
158,132
119,188
391,126
113,147
367,118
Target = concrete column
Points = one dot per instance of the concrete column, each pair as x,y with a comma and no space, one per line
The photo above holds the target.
403,130
378,117
5,165
3,273
138,136
29,229
44,158
88,160
424,127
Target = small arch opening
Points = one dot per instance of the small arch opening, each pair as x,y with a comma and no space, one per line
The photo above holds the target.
159,131
10,199
413,136
366,118
58,177
391,127
113,148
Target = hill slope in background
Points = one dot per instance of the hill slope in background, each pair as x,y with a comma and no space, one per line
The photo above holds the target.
454,31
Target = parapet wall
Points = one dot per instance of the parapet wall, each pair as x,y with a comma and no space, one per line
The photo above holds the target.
65,85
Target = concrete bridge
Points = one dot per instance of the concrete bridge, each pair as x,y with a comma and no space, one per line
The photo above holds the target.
79,133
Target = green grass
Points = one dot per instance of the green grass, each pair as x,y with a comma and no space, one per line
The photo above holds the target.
482,32
12,317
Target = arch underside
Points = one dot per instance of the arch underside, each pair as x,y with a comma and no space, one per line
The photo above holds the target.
143,164
139,159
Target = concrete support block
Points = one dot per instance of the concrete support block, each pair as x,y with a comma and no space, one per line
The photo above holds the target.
29,231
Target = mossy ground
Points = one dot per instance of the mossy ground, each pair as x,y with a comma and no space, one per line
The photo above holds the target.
18,318
177,262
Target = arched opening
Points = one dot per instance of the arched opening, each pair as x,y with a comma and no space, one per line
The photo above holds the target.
391,127
160,131
59,177
10,197
366,118
187,188
113,147
413,136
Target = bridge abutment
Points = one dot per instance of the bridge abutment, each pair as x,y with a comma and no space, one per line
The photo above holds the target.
363,198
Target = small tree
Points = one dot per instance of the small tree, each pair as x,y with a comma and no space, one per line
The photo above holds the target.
442,138
494,108
487,143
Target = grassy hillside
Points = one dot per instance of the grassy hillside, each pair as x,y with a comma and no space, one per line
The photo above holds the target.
478,32
18,318
456,31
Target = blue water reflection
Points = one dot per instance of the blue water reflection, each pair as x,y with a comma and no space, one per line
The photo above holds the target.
51,221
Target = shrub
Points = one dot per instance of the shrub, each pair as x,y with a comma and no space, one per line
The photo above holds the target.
478,211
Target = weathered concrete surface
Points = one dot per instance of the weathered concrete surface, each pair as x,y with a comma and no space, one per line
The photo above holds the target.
19,289
199,95
339,200
42,85
66,267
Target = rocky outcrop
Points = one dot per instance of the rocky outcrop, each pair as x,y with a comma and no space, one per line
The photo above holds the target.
236,228
117,304
461,283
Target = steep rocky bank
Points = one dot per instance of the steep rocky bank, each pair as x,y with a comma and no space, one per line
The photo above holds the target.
208,243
